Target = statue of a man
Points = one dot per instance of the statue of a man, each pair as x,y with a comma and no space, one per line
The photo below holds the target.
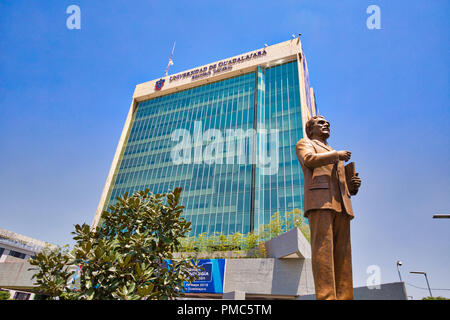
329,210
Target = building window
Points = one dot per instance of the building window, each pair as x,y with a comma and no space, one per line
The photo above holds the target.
22,296
1,251
17,254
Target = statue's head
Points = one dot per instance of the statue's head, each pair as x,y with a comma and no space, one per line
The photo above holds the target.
317,128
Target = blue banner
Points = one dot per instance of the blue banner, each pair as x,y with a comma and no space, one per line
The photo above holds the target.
210,278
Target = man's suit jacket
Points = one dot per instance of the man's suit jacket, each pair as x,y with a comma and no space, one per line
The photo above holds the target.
325,185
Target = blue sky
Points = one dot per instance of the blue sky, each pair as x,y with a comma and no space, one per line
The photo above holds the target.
64,96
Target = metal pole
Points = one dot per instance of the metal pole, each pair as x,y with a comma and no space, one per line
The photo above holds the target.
428,284
441,216
399,275
426,278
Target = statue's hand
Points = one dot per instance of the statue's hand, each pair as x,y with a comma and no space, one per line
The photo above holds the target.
355,183
344,155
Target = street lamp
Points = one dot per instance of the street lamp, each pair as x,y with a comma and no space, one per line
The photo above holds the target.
426,278
399,264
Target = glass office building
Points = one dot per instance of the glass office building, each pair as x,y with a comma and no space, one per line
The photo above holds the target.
208,135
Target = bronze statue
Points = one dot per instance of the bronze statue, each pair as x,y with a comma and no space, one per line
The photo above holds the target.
327,189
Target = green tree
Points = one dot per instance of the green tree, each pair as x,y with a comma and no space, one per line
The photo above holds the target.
55,269
188,244
252,240
295,218
128,256
435,298
235,240
278,224
4,295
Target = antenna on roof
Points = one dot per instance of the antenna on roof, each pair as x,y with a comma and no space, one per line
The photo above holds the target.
170,59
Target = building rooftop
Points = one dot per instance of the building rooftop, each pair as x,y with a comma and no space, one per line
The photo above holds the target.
20,241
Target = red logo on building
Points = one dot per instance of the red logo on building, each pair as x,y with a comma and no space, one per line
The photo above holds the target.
159,84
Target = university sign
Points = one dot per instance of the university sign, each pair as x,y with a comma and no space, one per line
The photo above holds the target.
209,279
216,68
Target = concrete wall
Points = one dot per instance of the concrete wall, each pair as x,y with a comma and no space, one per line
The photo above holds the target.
291,244
15,275
387,291
269,276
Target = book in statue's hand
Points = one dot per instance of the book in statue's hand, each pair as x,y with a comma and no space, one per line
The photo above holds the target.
349,174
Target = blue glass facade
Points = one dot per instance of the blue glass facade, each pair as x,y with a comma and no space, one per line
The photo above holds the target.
224,194
279,109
